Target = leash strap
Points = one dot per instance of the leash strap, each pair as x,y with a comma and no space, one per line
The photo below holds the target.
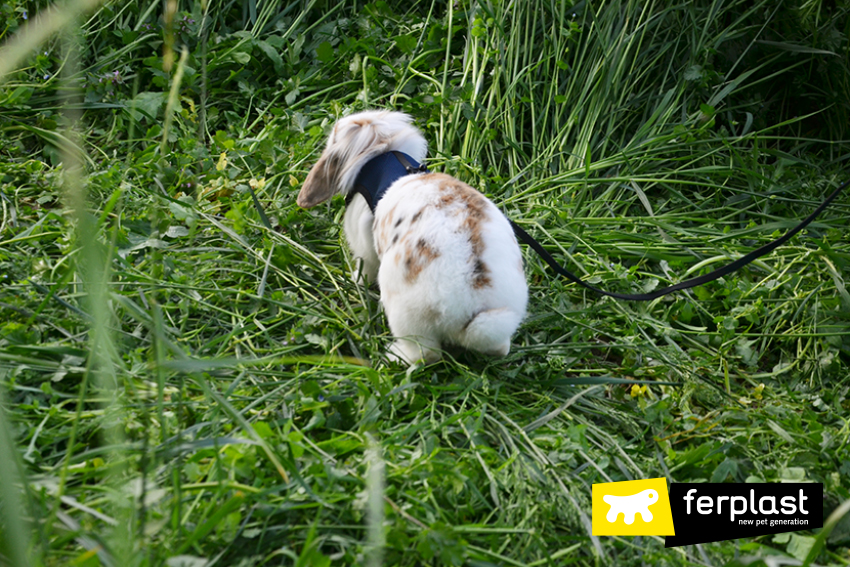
402,159
693,282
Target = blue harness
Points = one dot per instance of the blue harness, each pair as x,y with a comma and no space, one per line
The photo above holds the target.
381,172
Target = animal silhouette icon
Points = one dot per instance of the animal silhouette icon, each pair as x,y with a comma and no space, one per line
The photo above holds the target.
629,506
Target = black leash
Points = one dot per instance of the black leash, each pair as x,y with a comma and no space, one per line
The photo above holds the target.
693,282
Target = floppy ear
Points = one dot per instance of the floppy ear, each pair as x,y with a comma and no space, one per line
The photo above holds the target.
322,182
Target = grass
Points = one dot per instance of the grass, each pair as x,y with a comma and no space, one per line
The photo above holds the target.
183,385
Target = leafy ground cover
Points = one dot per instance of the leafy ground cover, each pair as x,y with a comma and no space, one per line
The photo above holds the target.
188,383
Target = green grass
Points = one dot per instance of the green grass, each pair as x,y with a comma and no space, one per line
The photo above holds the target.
180,381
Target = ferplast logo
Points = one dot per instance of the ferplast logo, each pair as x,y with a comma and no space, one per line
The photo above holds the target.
705,512
635,507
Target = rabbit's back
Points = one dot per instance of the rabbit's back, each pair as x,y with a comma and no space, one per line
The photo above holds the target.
447,254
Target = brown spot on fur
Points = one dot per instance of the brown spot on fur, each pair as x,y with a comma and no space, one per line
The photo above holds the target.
382,228
475,214
417,258
446,199
480,275
426,248
385,220
416,216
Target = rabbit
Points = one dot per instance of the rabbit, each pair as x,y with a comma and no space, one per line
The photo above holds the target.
446,260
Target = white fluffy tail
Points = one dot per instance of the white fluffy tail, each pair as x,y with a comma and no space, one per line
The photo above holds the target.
490,331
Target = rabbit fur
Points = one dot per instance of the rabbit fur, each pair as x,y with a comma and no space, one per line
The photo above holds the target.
446,260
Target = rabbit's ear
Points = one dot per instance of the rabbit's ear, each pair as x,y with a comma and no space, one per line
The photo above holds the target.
322,182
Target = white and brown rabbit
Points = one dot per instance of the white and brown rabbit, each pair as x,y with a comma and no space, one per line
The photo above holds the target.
446,259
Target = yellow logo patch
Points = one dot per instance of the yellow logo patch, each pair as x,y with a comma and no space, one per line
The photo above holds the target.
632,508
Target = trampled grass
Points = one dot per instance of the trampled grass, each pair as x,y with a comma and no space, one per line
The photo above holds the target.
183,385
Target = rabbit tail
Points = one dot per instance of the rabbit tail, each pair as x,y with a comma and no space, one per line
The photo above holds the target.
490,331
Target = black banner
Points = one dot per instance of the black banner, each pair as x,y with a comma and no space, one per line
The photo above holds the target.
717,512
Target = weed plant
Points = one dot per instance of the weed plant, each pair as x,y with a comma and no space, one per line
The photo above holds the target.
190,377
